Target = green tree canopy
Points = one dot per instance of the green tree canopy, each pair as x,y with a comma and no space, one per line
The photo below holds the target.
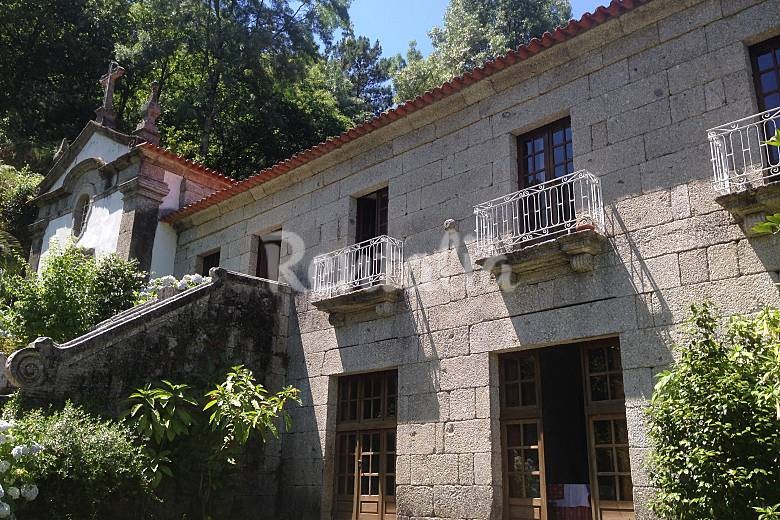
17,189
53,52
362,77
473,32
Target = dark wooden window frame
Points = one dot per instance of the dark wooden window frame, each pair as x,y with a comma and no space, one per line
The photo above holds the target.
373,224
546,134
773,45
261,257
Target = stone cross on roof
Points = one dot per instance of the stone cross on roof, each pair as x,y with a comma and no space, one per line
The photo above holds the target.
147,129
105,114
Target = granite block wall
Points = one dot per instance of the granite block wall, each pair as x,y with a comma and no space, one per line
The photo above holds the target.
641,91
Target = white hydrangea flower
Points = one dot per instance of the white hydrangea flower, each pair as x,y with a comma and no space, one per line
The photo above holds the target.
29,492
166,281
5,510
4,466
181,285
18,451
14,492
34,448
196,278
5,425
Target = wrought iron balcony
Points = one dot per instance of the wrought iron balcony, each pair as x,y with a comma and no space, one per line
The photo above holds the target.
376,262
539,213
740,156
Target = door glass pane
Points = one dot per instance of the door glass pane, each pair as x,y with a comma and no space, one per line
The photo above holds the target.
616,386
597,360
512,395
602,432
626,488
623,460
621,431
604,462
530,434
514,436
528,393
607,488
599,389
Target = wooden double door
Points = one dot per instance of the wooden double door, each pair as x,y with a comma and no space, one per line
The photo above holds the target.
564,434
366,447
366,475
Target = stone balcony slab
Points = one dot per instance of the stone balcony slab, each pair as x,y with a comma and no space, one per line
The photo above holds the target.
377,300
574,251
751,206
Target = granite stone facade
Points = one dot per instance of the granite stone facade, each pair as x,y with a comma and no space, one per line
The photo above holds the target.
640,90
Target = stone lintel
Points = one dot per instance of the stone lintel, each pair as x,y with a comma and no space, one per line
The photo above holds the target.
752,205
378,300
574,250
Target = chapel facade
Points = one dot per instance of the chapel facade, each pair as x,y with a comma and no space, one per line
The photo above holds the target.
485,280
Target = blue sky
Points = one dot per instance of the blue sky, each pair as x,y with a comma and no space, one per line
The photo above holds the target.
395,22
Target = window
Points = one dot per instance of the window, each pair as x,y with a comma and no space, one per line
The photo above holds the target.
208,261
545,154
365,446
371,215
544,157
81,214
267,252
766,72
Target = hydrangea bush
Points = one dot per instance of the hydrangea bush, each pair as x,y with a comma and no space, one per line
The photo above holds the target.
156,285
16,481
89,468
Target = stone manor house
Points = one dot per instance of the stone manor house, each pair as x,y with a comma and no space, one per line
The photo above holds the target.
475,289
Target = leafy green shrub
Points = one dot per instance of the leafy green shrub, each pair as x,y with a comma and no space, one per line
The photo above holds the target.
89,467
72,294
715,422
205,437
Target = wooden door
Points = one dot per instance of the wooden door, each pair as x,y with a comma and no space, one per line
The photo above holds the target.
609,446
524,469
365,447
522,438
611,484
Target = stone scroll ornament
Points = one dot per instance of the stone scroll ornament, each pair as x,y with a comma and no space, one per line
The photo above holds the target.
27,368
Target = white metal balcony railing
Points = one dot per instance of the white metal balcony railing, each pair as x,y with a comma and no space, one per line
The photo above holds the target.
539,213
372,262
740,155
